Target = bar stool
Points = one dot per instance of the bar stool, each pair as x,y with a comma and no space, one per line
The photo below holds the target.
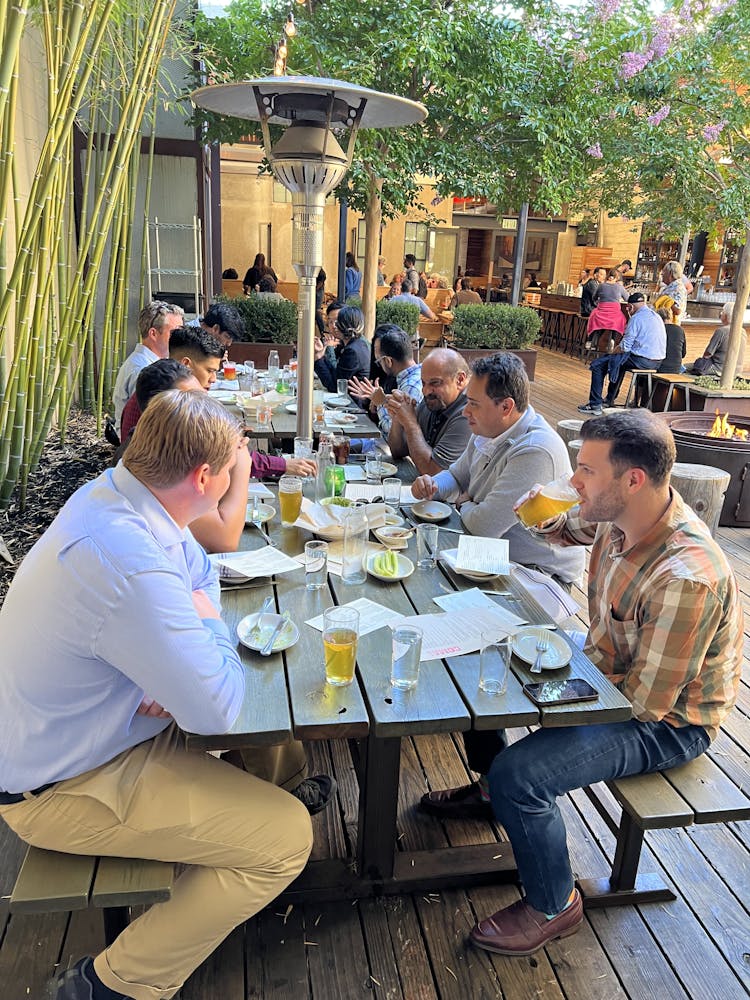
635,374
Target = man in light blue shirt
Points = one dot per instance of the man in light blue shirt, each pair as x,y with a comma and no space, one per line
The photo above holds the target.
155,324
394,355
414,300
112,638
644,345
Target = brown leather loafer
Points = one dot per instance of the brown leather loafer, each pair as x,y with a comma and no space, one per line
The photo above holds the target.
465,802
521,930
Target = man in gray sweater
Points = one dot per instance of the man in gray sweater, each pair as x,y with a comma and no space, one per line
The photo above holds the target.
511,448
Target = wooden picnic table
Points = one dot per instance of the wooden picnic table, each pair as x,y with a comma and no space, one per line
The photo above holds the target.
286,696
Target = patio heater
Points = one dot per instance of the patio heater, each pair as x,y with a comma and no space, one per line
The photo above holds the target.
309,162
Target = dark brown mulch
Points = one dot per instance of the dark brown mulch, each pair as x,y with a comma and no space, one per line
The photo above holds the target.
63,468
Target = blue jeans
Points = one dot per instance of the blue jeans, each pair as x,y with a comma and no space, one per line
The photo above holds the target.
600,367
525,780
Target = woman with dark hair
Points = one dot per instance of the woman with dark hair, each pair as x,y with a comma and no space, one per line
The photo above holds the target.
352,350
352,276
253,274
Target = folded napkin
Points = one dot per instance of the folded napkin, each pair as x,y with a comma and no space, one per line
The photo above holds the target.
556,602
315,516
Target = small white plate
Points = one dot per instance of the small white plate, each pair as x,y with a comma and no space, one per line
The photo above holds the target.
393,536
288,636
405,568
222,396
340,419
558,651
384,469
393,520
265,513
431,510
333,399
291,407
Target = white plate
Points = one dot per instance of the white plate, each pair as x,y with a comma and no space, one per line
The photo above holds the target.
222,396
340,419
393,536
431,510
265,513
384,469
393,520
405,568
333,399
558,652
291,407
288,636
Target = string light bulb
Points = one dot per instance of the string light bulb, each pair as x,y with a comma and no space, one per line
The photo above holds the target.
290,28
282,50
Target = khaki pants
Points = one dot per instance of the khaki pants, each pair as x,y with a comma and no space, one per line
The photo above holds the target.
246,838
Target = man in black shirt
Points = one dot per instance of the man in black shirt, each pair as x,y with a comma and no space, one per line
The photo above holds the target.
590,288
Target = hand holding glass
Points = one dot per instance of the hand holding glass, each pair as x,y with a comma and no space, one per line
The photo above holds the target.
553,499
340,632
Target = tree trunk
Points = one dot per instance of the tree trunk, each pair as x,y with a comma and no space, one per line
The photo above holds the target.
738,316
373,221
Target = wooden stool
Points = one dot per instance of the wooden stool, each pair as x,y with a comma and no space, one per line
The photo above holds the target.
702,487
635,374
569,429
668,383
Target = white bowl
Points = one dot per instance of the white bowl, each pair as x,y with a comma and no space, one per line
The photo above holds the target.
431,510
405,568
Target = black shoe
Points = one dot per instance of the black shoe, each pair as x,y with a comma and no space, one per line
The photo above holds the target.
73,984
465,802
315,793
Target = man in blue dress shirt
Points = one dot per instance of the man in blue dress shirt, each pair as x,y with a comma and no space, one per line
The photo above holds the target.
112,642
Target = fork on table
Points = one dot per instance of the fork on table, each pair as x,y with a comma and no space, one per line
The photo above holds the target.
542,645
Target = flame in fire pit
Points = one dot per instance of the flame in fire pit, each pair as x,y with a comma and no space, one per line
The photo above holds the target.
722,428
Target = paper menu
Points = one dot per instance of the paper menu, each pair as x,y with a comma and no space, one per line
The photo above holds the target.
372,616
258,490
483,555
465,600
258,562
336,555
455,633
363,491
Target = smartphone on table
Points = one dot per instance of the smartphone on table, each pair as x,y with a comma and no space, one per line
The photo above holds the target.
546,693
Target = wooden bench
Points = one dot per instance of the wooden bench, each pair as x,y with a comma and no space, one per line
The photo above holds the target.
697,792
50,882
663,391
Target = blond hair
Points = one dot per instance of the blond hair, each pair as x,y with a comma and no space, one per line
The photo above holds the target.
179,431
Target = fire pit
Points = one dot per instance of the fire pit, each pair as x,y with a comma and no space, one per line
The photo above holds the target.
731,453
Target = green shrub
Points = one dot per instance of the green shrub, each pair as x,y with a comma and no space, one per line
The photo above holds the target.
740,384
499,327
267,320
403,314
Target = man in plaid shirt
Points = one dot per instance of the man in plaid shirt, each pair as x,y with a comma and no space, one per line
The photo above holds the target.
666,628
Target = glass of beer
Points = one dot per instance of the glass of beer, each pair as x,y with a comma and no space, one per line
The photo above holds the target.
290,498
553,499
340,631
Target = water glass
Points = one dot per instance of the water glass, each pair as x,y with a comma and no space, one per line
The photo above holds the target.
340,632
342,387
263,418
316,565
427,546
290,498
406,649
303,447
372,468
494,662
273,365
392,490
245,381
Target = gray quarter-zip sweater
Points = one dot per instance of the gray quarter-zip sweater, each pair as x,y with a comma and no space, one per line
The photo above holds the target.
496,474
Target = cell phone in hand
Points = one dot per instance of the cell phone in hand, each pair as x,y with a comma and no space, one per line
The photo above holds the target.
546,693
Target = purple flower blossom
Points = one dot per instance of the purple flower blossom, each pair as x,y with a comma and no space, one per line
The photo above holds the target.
711,133
606,9
658,116
632,63
595,151
668,29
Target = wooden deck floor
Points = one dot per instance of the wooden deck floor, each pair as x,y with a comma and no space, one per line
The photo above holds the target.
413,947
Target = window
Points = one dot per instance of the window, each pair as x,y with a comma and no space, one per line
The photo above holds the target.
416,235
361,236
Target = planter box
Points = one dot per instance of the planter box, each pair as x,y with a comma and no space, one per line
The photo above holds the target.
258,353
528,357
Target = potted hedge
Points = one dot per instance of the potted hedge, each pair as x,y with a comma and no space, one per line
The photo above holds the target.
485,329
403,314
271,324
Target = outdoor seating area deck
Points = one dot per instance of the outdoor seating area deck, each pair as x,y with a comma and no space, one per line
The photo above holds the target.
413,946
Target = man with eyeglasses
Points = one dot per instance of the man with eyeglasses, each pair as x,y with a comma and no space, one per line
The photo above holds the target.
434,432
394,355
